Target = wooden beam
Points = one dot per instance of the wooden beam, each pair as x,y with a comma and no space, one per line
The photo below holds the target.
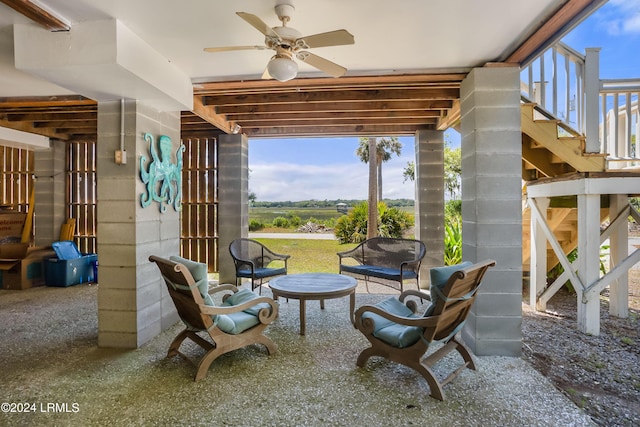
68,115
45,101
351,130
364,105
37,14
334,96
558,20
210,116
452,79
28,127
338,122
332,115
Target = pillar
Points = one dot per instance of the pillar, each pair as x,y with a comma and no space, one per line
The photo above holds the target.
588,262
619,244
50,189
233,201
133,304
429,174
492,207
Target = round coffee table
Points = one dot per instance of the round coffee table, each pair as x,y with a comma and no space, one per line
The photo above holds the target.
314,286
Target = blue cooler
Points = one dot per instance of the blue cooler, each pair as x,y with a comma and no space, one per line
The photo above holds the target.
69,266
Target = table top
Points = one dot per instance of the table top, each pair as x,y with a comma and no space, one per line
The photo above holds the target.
313,284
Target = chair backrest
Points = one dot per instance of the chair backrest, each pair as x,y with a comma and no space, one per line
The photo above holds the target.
455,301
184,293
389,252
248,250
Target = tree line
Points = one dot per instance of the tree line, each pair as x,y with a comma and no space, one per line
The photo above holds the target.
327,203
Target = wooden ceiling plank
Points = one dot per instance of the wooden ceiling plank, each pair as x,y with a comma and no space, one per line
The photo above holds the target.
321,115
339,122
338,96
45,101
28,127
274,132
44,117
371,105
322,82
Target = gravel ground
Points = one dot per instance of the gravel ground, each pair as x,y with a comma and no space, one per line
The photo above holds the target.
600,374
49,355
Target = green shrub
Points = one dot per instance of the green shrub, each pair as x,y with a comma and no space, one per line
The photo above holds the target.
453,211
255,225
294,220
453,243
280,222
352,228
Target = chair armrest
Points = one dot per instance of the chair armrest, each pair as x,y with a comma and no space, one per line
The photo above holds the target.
266,315
406,321
273,255
414,293
223,287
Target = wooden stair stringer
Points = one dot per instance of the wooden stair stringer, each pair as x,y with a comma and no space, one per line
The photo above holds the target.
570,149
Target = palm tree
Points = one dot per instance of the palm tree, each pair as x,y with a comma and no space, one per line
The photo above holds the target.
385,148
372,214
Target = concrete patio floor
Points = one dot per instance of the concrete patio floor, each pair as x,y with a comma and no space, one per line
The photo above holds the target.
50,360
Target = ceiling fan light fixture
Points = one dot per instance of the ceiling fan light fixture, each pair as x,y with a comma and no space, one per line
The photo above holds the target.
282,69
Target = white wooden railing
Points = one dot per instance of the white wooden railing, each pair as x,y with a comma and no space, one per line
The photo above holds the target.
620,126
567,85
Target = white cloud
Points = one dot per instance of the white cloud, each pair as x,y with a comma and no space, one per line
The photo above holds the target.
289,181
623,17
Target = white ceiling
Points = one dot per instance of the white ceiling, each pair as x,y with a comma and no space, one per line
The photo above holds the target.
391,36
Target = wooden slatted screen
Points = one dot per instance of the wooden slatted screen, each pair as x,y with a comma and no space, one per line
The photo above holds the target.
82,194
199,217
17,180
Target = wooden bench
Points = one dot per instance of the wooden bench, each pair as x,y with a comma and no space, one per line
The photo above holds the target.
389,261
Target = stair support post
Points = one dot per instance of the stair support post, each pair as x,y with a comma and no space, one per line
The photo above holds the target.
619,249
588,262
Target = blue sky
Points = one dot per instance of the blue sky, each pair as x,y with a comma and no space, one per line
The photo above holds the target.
328,169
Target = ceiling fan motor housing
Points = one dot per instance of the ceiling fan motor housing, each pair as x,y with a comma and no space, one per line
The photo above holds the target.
284,10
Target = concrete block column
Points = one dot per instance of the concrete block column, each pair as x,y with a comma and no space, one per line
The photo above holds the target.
133,304
50,190
491,206
233,201
429,172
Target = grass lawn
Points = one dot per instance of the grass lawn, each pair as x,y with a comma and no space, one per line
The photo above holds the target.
308,255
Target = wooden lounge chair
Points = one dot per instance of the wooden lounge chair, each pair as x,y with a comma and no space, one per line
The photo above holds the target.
238,321
253,260
397,333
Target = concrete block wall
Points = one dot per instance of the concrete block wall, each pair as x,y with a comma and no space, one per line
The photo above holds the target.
50,190
491,206
429,172
133,304
233,202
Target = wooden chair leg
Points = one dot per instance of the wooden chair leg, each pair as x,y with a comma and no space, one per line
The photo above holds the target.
365,355
176,343
434,384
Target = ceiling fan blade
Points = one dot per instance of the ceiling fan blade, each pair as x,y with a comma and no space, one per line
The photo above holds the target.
322,64
258,24
231,48
331,38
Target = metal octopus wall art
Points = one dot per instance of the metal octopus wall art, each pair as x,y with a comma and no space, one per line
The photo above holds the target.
163,179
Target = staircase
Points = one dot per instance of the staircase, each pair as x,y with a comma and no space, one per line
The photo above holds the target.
550,149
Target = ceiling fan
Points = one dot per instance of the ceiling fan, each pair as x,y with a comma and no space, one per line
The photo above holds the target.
288,42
